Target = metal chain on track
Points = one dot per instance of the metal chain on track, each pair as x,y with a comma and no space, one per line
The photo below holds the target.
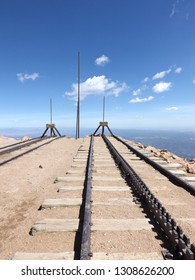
180,242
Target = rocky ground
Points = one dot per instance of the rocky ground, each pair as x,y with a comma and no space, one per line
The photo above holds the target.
188,166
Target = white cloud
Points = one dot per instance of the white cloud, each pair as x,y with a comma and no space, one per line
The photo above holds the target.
140,100
173,11
178,70
145,80
161,75
102,60
97,85
193,81
180,7
172,108
161,87
137,92
22,77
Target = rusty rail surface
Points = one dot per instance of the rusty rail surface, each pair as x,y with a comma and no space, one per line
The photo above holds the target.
85,252
181,247
165,172
22,146
19,145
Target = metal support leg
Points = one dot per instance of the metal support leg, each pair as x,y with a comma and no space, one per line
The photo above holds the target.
58,132
96,130
103,129
44,132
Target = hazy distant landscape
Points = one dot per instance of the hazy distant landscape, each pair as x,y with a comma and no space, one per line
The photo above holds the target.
179,143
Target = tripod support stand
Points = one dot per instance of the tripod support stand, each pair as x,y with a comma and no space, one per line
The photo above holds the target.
103,125
52,128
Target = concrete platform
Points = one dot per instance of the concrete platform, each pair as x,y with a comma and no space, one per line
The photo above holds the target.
65,202
179,173
105,172
101,178
43,256
78,164
189,179
110,160
104,165
61,202
111,188
172,166
127,153
69,179
120,225
97,167
145,153
102,156
55,225
80,160
70,188
114,201
71,225
192,184
131,157
154,158
73,171
161,162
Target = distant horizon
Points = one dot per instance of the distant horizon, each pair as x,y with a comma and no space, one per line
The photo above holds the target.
35,131
181,143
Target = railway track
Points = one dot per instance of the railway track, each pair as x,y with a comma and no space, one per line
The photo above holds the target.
14,151
112,205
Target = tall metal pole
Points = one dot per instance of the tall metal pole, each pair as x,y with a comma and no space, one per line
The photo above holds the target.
78,94
103,108
51,130
50,110
78,101
103,113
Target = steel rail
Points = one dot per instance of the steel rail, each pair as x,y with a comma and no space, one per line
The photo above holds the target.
173,178
20,145
85,251
24,153
15,144
181,247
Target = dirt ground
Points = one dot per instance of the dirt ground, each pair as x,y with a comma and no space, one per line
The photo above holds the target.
24,184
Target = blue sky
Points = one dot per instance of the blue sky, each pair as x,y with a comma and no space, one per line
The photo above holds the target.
139,54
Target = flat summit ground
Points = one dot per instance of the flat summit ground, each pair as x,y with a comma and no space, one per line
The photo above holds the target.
24,184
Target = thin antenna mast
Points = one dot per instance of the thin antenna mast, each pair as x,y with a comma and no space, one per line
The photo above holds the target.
103,108
50,110
78,101
51,126
103,124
